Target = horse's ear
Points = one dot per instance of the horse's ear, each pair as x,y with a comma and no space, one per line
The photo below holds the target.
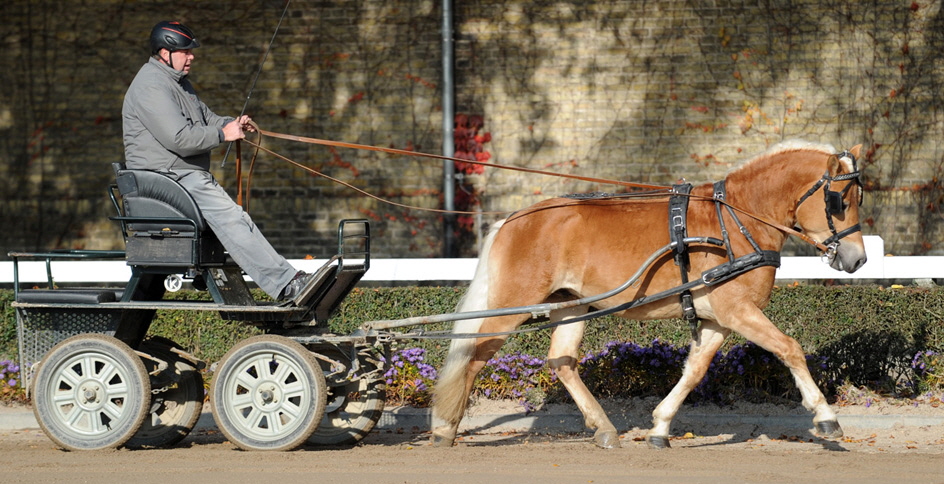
833,165
855,150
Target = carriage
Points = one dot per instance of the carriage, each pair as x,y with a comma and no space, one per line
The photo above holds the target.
102,382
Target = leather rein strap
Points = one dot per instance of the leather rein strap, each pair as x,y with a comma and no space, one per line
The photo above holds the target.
667,191
341,144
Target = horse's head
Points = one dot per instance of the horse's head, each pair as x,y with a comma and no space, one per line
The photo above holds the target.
829,211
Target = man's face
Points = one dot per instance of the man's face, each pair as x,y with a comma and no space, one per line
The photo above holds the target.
179,59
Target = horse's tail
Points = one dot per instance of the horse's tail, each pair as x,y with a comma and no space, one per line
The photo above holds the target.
450,395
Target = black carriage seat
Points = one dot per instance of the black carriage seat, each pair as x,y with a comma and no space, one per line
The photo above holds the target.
162,224
151,194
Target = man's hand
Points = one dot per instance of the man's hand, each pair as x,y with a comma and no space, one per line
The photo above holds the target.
233,130
245,122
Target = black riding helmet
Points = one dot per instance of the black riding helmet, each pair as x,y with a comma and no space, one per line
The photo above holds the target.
172,36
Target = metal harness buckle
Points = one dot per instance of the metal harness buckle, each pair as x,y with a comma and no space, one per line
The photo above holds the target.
830,254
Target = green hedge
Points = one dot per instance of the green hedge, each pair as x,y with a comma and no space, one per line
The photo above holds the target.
868,332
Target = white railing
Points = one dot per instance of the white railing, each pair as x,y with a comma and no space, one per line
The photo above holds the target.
878,267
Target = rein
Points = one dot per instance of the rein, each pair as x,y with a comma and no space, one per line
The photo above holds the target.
827,247
394,151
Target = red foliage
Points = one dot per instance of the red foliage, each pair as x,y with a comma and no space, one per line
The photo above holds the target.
355,98
469,143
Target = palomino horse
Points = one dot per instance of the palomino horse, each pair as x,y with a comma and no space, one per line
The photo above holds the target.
565,249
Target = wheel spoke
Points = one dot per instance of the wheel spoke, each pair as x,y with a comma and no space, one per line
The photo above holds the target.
63,397
112,410
254,418
275,423
73,416
296,389
240,400
291,409
95,424
246,379
70,376
261,365
281,372
107,372
119,390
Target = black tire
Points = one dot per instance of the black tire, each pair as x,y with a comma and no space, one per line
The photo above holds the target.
268,394
353,407
173,412
91,392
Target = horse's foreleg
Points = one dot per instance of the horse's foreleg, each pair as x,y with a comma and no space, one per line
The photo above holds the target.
562,358
824,418
763,332
710,338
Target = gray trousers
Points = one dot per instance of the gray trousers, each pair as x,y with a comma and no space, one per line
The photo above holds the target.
237,232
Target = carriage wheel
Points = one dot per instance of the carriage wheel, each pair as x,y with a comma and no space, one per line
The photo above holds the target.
91,392
353,407
268,394
178,402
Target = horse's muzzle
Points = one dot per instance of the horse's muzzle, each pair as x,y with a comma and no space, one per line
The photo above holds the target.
849,258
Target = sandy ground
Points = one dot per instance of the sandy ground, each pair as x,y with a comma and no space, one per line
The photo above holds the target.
770,448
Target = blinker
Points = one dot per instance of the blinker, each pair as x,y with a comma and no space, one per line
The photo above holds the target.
834,203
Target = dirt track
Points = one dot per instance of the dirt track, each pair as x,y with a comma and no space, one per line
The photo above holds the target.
745,453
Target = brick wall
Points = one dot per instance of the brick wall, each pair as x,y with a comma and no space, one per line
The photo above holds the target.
640,91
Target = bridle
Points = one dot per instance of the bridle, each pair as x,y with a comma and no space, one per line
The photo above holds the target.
834,201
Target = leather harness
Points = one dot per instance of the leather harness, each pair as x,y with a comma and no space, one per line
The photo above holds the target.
678,234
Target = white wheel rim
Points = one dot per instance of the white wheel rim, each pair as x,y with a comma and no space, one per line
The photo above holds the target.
89,394
267,395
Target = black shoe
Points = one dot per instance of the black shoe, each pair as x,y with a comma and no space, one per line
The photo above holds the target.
295,286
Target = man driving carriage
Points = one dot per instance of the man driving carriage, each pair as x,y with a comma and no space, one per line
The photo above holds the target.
168,129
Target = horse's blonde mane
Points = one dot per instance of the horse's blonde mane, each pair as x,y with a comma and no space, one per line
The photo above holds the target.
790,145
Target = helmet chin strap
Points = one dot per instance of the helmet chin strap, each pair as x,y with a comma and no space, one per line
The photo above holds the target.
170,59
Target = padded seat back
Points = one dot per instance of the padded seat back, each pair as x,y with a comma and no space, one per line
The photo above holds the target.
148,193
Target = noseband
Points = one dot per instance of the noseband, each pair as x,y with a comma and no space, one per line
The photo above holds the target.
834,202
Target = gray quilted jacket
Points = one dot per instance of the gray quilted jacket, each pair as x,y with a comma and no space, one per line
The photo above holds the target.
165,124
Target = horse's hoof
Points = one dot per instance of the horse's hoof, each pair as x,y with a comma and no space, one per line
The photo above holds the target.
441,441
829,429
606,439
658,442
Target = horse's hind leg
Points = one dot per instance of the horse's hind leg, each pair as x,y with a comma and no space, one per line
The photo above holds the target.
710,338
562,358
452,391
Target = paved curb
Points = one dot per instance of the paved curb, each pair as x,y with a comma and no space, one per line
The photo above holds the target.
409,418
